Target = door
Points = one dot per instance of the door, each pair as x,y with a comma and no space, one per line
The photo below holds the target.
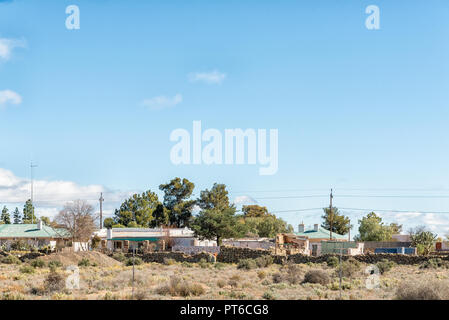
314,250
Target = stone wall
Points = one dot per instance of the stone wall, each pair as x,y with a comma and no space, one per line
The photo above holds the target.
159,257
235,254
195,249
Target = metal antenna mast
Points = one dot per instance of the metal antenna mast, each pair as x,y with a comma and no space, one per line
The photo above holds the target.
101,210
32,166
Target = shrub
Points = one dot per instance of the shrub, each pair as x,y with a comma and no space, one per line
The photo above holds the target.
26,269
169,261
434,263
264,261
20,245
54,264
385,265
278,278
220,265
261,275
38,263
203,263
140,295
316,276
247,264
119,256
136,261
425,290
179,287
332,261
54,282
349,268
84,262
10,259
221,283
269,296
293,274
187,264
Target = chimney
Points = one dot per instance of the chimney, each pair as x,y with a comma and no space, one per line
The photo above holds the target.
315,227
39,224
301,227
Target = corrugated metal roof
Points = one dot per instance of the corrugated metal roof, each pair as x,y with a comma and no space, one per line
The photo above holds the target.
321,233
29,231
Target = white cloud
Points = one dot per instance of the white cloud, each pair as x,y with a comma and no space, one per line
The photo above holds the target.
9,97
212,77
50,196
244,200
162,102
7,46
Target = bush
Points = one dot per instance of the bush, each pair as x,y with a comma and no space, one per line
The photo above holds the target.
332,261
187,264
119,256
426,290
278,278
84,262
264,261
54,264
293,274
316,276
203,263
20,245
434,263
136,261
38,263
220,265
247,264
261,275
179,287
54,282
26,269
10,259
169,261
221,283
268,296
385,265
349,268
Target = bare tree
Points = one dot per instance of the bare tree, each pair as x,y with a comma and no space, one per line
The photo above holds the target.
78,219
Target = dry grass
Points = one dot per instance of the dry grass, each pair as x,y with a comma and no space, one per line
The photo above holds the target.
113,281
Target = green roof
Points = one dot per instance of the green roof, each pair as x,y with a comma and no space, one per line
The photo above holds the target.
29,231
321,233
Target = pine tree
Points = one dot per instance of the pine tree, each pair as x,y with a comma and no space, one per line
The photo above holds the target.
5,216
16,215
28,213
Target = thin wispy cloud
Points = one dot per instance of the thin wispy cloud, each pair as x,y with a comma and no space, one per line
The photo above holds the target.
212,77
162,102
9,97
7,46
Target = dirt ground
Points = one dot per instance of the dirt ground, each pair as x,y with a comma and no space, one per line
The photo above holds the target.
111,279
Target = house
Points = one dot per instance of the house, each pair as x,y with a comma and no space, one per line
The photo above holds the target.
252,243
316,236
135,238
36,235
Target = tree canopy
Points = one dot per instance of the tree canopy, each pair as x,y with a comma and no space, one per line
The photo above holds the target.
5,218
340,223
176,200
137,211
371,228
28,213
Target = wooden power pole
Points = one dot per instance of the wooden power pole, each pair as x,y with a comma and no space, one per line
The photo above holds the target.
331,215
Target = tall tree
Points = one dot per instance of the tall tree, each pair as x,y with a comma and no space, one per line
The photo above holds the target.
422,239
215,224
78,219
340,223
137,211
254,211
371,228
176,195
5,218
28,213
17,216
215,198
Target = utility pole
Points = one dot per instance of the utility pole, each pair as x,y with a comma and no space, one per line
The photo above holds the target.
32,166
349,234
101,210
331,215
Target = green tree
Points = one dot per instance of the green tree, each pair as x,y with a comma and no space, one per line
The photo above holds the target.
5,218
28,213
371,228
17,216
176,195
422,239
216,198
137,211
215,224
266,227
340,223
254,211
108,223
161,217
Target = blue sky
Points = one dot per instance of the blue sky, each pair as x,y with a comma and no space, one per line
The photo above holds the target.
362,111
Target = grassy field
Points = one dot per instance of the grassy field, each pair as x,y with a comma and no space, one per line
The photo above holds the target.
102,277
